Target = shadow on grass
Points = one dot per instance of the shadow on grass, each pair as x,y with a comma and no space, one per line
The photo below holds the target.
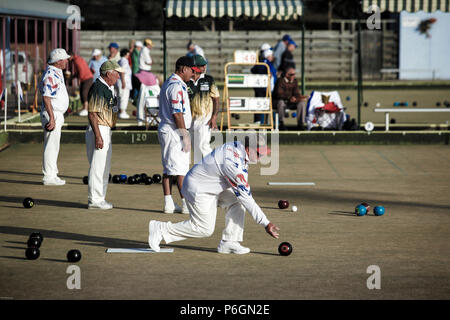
85,239
213,250
273,208
58,203
142,210
16,258
342,213
34,174
21,182
47,202
56,260
88,240
348,213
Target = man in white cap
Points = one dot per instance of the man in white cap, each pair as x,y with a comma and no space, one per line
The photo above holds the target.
97,60
221,179
102,107
265,46
145,60
55,101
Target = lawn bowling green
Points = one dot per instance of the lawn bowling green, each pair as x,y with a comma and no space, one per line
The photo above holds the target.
333,248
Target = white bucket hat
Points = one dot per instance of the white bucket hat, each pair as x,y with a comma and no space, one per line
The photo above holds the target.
265,46
57,55
139,44
96,52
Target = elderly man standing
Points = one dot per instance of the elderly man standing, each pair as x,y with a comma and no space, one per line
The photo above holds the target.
102,116
145,60
114,54
97,60
278,51
173,134
55,103
204,101
287,59
135,56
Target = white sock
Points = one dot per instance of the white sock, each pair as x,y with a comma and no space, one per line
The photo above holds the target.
168,199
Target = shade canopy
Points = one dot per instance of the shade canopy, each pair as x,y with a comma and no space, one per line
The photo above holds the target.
408,5
266,9
36,8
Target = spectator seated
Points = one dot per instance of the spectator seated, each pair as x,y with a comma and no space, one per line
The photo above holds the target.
325,110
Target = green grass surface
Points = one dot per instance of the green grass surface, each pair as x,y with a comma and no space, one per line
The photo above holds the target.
332,247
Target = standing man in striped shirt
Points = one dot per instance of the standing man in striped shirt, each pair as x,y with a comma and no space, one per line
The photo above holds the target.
55,102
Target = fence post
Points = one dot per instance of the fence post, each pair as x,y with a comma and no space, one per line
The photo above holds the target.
303,58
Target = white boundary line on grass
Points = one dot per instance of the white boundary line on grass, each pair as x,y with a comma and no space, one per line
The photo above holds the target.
136,250
291,183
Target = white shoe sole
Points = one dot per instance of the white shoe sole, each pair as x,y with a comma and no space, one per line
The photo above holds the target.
90,207
99,208
53,184
229,251
232,251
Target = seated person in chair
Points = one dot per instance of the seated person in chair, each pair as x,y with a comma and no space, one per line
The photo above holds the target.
325,111
287,94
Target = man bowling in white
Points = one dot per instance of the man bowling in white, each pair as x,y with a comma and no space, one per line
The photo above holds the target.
219,180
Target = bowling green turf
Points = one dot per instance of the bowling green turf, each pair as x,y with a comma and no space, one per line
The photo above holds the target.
332,248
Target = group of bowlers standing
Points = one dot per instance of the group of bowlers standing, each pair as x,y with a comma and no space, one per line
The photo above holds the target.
188,108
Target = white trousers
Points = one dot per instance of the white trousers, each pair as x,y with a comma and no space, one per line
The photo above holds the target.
174,160
51,144
99,164
124,95
202,219
201,134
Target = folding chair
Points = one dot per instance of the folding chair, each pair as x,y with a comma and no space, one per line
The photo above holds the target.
318,117
148,106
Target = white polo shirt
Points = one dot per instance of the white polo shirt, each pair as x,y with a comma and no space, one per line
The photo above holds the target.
145,59
226,167
52,85
174,99
123,62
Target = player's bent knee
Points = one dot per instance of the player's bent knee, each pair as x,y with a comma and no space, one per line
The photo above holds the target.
205,232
